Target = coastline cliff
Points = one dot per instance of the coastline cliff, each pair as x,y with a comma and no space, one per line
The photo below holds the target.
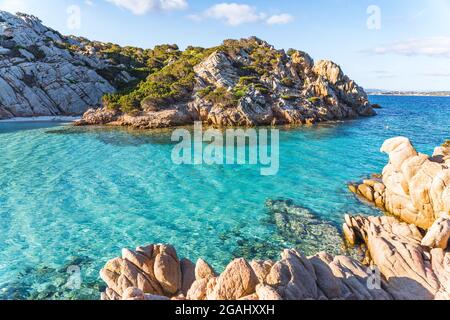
414,187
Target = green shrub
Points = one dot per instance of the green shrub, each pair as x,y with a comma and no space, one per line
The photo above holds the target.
288,82
288,97
291,52
240,92
174,82
204,92
222,97
246,80
262,89
314,99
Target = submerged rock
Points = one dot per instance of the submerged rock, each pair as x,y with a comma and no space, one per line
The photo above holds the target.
303,229
68,282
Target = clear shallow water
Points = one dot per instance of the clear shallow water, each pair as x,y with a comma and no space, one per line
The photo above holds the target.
78,196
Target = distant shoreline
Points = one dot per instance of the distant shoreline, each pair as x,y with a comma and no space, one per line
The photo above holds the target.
42,119
409,94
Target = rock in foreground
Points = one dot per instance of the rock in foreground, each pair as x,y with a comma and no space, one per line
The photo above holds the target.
414,187
407,270
412,269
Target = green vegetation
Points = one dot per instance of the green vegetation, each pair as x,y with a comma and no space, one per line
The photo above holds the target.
288,82
173,82
314,99
291,52
246,80
166,75
288,97
221,96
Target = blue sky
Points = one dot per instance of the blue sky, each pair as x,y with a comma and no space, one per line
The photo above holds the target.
398,44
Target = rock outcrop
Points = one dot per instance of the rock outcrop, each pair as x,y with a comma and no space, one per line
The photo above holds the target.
399,267
41,76
414,267
413,187
242,83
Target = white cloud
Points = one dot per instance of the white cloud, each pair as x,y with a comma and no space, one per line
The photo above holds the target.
173,4
436,74
141,7
13,6
280,19
234,14
432,47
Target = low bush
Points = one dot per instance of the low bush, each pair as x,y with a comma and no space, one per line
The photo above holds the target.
314,99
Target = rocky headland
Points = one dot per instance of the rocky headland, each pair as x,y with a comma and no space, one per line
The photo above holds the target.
404,259
243,82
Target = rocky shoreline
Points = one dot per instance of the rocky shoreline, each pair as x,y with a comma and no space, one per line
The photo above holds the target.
410,267
403,261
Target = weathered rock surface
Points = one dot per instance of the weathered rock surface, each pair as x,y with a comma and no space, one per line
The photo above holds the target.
414,187
439,233
40,76
402,268
412,270
293,90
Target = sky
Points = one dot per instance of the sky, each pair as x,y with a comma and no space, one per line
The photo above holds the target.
383,44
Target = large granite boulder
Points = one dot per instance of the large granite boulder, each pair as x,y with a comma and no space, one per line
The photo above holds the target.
414,187
412,270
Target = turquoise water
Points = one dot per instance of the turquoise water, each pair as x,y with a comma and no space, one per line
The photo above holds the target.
77,196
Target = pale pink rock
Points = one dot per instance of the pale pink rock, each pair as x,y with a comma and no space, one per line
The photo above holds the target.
168,272
203,270
237,281
439,234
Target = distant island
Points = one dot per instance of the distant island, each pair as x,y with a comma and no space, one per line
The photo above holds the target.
378,92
